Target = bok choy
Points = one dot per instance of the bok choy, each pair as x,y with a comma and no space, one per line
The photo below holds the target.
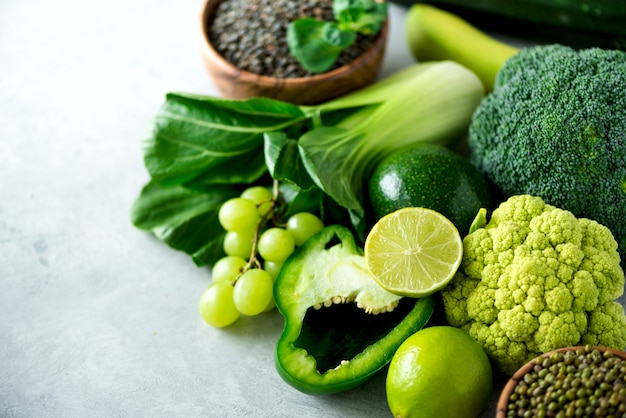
434,106
206,149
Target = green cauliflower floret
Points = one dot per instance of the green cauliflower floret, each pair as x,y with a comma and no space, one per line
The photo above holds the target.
607,325
534,279
555,127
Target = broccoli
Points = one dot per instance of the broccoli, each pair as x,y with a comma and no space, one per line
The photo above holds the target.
555,127
536,278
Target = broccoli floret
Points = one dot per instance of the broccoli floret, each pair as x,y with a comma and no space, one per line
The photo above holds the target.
555,127
534,279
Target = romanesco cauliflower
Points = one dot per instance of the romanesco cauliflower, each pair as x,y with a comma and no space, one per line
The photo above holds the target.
537,278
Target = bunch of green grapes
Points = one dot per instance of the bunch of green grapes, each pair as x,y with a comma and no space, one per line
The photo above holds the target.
256,246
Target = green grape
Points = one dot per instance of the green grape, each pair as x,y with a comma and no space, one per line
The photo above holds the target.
217,305
276,244
261,196
239,243
227,269
253,292
270,305
238,214
272,268
303,226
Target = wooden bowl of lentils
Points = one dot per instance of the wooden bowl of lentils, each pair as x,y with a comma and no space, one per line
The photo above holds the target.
581,381
245,52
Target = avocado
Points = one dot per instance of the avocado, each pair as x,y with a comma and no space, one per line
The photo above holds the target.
429,176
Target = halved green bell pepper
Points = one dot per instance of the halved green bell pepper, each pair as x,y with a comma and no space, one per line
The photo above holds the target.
340,326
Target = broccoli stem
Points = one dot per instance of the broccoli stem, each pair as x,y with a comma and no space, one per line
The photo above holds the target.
434,34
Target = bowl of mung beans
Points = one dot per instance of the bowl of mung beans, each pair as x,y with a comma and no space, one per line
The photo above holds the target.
582,381
245,53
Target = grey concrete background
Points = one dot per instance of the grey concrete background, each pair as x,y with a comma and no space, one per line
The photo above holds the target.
98,319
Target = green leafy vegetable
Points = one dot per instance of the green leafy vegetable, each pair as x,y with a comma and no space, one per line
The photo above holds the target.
202,150
435,107
362,16
183,218
283,161
194,135
317,44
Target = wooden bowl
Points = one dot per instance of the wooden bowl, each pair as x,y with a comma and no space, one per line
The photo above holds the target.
234,83
507,391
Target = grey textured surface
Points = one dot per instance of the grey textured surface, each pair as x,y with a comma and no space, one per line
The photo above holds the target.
99,319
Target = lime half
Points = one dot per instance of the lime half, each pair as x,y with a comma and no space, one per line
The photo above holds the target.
413,251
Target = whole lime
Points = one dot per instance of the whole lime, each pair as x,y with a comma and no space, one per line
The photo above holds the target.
440,372
432,177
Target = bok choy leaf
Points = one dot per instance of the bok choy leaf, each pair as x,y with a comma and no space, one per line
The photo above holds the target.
283,161
199,135
434,107
183,218
201,151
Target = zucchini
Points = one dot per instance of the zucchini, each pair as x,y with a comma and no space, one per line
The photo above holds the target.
600,23
434,34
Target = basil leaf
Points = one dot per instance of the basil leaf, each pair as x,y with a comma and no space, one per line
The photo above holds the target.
346,11
334,36
183,218
194,135
283,161
362,16
316,44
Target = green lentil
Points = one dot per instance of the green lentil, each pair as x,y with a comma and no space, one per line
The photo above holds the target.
585,383
252,35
